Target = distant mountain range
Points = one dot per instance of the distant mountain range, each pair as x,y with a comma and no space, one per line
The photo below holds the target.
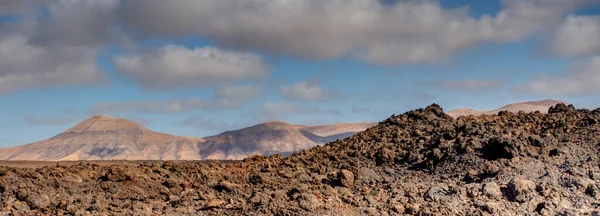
274,137
530,106
105,138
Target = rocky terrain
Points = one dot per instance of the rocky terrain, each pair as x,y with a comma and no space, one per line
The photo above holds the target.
530,106
105,138
423,162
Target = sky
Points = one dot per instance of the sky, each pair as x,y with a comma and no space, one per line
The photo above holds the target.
198,68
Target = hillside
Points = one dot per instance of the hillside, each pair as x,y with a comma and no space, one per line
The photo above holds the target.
104,138
335,129
422,162
530,106
266,139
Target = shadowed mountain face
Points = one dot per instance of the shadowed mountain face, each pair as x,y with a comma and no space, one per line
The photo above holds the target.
104,138
527,107
337,129
275,137
262,139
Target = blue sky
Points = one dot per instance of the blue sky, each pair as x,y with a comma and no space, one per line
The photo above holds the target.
197,68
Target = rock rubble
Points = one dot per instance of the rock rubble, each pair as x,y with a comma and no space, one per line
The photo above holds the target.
422,162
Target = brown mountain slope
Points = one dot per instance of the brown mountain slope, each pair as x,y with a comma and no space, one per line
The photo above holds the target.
334,129
530,106
262,139
422,162
104,138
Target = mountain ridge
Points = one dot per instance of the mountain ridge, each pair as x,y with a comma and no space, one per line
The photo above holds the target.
104,138
528,106
333,129
422,162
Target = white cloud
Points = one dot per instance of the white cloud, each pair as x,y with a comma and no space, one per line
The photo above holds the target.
468,85
283,108
208,124
306,91
60,47
23,65
17,6
274,110
581,78
168,106
402,33
577,36
59,120
235,96
172,67
78,23
224,98
49,51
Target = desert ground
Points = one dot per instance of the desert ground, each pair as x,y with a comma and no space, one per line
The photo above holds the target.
422,162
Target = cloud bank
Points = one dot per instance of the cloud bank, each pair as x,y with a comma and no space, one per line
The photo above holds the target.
468,84
577,36
167,106
60,48
307,91
581,78
402,33
25,66
171,67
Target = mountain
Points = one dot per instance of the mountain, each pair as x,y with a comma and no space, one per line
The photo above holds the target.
422,162
335,129
104,138
274,137
263,139
530,106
